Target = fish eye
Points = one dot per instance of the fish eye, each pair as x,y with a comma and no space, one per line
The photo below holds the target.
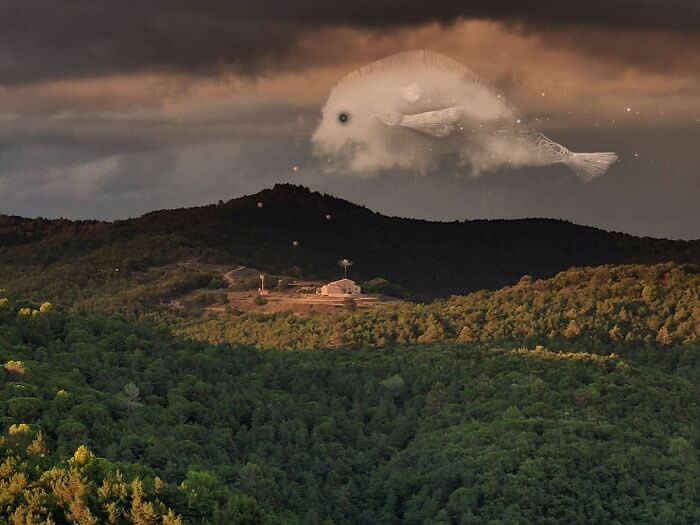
343,117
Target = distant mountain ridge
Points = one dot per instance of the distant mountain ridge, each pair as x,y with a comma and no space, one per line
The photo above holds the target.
291,229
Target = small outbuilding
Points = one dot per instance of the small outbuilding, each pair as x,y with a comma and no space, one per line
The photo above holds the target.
341,288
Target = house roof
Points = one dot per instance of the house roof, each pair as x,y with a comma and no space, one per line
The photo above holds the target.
343,281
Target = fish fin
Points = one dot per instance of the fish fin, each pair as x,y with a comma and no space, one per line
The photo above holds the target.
439,123
438,130
411,92
389,119
591,165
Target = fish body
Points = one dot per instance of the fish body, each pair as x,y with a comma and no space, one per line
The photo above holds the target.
411,109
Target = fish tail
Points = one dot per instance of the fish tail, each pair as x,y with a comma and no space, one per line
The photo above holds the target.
591,165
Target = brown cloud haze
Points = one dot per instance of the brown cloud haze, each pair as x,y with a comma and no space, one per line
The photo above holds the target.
544,73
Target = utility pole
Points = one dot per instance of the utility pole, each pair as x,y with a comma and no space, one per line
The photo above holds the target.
345,263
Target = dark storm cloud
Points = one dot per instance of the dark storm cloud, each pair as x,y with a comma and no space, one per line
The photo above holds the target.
635,14
40,39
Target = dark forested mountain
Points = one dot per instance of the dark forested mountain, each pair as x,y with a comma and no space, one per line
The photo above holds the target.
570,395
290,229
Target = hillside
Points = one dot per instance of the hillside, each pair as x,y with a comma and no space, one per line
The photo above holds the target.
568,399
105,416
291,231
606,305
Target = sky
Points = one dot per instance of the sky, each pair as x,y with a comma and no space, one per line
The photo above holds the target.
111,109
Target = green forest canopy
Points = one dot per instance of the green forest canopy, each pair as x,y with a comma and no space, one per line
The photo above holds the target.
491,430
657,304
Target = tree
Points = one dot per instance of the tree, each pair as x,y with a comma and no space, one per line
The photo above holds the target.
664,337
573,329
243,510
615,333
132,392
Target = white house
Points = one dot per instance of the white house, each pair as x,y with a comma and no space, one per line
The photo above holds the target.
341,288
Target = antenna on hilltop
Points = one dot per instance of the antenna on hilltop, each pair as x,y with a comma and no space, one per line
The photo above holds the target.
345,263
